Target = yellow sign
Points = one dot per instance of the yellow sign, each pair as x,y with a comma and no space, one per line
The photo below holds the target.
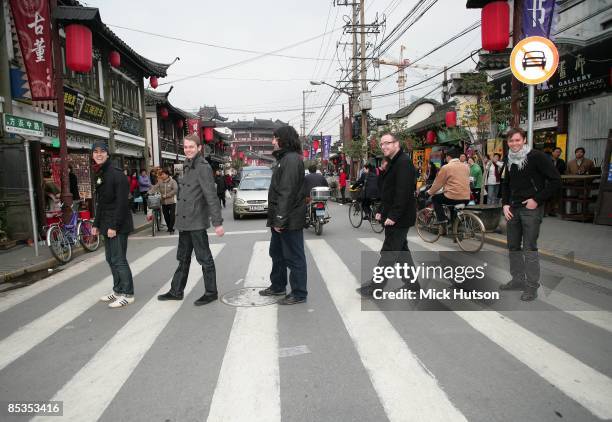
562,143
534,60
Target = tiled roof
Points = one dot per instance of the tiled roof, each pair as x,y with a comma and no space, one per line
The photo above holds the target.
405,111
267,124
494,61
210,113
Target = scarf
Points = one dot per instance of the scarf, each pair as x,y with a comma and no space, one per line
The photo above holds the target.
519,158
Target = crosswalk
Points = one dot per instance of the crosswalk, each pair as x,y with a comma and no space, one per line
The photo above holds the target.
252,383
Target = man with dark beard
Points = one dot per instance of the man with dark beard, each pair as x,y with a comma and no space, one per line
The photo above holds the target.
530,179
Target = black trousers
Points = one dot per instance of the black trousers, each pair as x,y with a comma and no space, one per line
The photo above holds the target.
169,215
221,198
395,248
190,241
439,200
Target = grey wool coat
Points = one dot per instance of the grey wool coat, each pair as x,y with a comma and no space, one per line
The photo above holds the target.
197,203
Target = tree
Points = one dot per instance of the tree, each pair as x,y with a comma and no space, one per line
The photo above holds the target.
237,164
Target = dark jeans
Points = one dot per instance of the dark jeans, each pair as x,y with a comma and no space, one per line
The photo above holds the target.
395,248
116,250
221,198
439,200
523,230
188,242
144,201
287,252
342,192
476,192
169,215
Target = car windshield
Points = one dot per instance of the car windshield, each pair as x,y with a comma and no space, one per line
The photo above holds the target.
246,173
255,183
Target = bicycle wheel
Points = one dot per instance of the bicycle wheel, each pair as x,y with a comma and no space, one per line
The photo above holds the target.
355,214
427,230
154,227
89,241
469,232
59,244
377,226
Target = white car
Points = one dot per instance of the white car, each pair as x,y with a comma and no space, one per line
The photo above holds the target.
251,196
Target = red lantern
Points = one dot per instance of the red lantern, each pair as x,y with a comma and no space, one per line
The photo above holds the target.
115,58
163,112
431,137
153,82
208,134
315,145
241,155
180,124
495,30
78,48
451,118
306,153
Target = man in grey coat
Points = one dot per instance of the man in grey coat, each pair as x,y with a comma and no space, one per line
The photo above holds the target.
196,202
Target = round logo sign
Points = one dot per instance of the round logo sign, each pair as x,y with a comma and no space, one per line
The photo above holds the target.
534,60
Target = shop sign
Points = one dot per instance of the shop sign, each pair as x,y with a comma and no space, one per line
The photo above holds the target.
92,111
126,123
73,140
22,126
546,118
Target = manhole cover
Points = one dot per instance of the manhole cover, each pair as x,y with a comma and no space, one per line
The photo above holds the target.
248,296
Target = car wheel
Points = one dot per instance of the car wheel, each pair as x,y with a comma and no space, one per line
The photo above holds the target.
236,216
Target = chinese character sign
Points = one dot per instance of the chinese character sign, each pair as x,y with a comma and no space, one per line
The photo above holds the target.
326,146
193,126
538,16
32,23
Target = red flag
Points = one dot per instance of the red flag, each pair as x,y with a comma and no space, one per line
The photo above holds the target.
32,23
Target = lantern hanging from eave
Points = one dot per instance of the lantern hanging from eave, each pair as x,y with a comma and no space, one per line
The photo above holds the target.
451,119
431,137
495,18
153,82
208,134
180,124
78,48
163,112
114,58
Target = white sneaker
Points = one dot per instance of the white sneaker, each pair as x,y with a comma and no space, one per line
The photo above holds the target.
121,302
109,298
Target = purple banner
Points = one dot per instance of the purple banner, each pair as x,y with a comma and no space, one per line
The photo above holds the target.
326,146
538,17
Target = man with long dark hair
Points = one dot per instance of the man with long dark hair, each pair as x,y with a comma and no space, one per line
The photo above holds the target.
286,216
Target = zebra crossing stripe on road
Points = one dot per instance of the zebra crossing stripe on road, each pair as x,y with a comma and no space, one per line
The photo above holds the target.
406,389
583,384
92,389
34,333
248,388
15,297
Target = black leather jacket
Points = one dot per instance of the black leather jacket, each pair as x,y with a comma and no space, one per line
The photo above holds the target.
286,205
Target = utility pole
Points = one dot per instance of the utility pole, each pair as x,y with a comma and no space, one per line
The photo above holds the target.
445,87
364,82
66,196
515,93
304,111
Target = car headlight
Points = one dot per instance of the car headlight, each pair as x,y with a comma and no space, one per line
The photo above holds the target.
239,201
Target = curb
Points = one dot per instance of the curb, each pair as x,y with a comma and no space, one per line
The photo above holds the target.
560,259
51,262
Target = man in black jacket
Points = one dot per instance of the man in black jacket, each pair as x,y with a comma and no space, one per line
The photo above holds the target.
286,216
530,179
113,220
397,211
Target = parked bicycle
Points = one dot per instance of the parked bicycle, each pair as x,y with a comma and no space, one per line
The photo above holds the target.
61,238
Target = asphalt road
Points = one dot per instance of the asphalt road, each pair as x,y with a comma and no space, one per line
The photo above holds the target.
325,360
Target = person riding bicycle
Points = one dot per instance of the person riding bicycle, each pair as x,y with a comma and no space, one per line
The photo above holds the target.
369,192
454,177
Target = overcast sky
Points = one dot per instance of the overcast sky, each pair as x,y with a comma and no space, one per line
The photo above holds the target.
267,86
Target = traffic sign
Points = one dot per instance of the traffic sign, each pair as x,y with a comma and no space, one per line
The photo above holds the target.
23,126
534,60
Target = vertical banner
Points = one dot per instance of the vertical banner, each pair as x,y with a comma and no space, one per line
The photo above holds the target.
193,126
538,17
326,146
33,26
562,143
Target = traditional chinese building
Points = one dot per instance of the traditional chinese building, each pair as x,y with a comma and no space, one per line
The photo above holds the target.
106,102
252,140
216,136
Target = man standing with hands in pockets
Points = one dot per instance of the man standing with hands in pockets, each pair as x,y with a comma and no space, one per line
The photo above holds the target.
196,202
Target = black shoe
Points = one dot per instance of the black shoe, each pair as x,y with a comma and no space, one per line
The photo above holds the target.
367,290
513,285
529,294
270,292
291,300
206,299
169,296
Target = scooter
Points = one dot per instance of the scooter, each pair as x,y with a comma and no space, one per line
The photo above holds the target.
317,214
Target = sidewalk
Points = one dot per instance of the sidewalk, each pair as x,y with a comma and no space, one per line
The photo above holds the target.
21,259
580,245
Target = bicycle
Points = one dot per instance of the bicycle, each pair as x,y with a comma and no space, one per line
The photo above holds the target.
357,215
62,237
154,204
377,226
467,228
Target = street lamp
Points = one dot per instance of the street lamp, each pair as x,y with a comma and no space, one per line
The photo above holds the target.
332,86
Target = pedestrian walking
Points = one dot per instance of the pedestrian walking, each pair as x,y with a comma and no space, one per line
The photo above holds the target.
342,184
144,184
493,179
220,182
167,188
134,190
529,180
552,205
113,221
286,216
197,203
397,211
475,179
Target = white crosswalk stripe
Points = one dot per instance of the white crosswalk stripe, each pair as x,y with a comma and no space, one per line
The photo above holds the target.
15,297
92,389
32,334
248,388
585,385
404,386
